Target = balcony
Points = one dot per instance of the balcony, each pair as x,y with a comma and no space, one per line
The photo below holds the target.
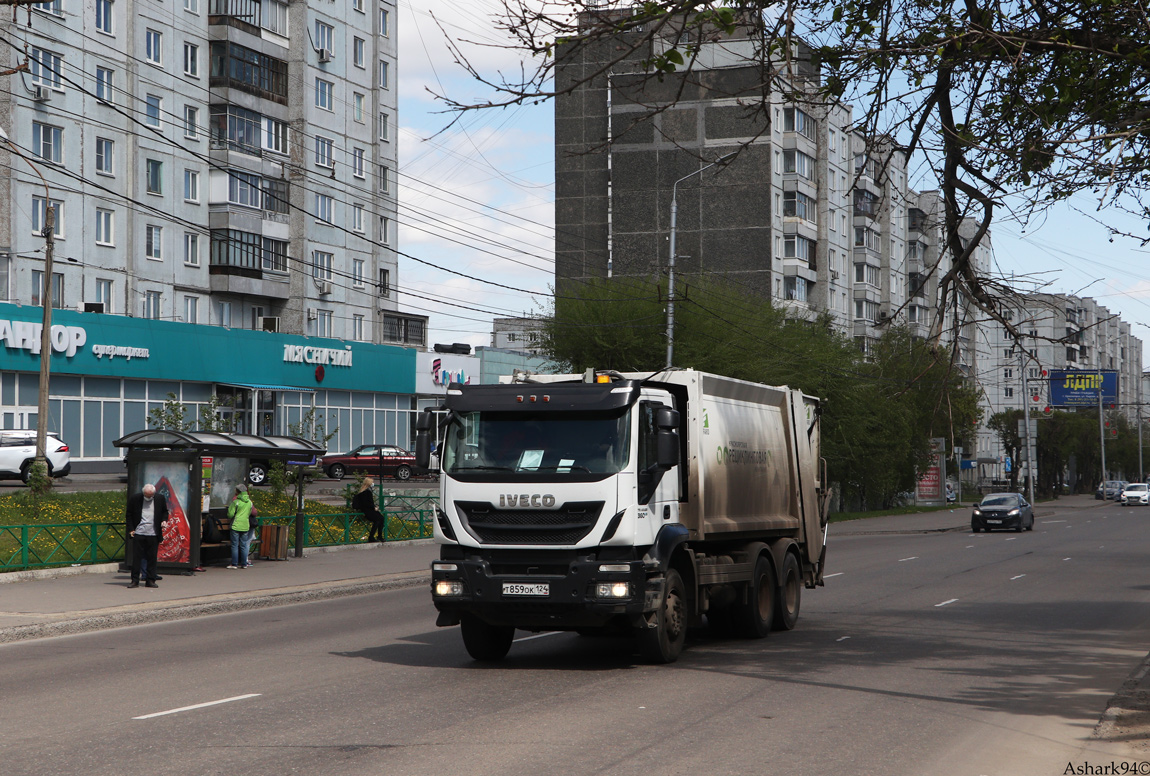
407,330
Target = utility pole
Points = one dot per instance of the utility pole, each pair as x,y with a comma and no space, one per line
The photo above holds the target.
671,261
1030,464
1101,432
45,338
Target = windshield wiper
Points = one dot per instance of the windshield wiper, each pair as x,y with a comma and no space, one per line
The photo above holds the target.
556,467
482,468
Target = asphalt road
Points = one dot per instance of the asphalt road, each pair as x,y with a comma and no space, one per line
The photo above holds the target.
932,653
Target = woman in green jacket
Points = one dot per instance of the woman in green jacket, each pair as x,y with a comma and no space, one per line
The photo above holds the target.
240,512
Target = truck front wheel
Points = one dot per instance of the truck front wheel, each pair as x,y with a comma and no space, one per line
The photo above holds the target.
664,642
756,614
488,643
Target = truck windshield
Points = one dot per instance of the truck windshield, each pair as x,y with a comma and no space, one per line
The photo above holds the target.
526,443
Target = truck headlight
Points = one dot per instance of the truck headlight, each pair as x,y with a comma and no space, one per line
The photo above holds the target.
614,567
613,590
448,588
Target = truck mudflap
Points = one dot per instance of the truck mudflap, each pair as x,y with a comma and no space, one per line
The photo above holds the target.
592,593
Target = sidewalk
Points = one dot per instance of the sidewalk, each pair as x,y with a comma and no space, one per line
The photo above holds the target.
38,604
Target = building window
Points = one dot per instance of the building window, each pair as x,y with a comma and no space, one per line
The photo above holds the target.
105,155
104,293
794,120
1008,393
191,122
866,310
152,305
795,288
46,68
154,108
47,142
357,328
104,78
799,205
191,249
155,175
191,186
357,163
275,136
323,94
357,218
384,178
798,163
224,313
323,208
357,107
40,216
243,68
192,6
357,5
191,309
244,189
865,237
323,154
796,247
236,128
153,43
384,22
357,52
323,36
191,60
384,282
323,323
38,288
1007,374
384,131
384,75
275,255
105,227
357,273
233,248
321,262
54,7
384,229
153,242
275,17
865,273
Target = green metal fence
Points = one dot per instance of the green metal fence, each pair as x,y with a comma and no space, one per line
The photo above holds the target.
70,544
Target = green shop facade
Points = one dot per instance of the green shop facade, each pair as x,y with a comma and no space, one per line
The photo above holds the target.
108,372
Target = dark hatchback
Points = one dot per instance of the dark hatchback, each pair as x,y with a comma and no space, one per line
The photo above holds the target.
396,462
1002,510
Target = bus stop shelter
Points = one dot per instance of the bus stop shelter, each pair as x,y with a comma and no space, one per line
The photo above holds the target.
197,473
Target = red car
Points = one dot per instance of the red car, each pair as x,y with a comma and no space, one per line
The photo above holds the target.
396,462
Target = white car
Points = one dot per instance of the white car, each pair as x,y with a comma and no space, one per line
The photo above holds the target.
1135,493
18,450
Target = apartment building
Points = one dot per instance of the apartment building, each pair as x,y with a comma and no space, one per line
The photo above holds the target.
215,162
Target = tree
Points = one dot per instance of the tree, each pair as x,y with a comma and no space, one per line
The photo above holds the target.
879,412
1046,98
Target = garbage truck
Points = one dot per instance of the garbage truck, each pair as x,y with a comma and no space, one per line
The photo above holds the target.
635,504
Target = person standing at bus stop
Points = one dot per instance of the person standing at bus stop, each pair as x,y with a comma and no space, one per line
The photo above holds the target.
240,512
147,515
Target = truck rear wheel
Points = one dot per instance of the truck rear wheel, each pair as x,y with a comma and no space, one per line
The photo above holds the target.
756,614
664,642
489,643
789,595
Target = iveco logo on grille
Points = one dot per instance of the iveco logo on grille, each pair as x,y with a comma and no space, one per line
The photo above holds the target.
526,500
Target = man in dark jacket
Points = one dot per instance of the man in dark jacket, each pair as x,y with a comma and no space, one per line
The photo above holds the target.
147,516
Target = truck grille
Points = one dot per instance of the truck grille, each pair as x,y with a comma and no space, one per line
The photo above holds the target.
565,525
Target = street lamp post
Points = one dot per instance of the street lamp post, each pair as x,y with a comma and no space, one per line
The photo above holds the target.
671,262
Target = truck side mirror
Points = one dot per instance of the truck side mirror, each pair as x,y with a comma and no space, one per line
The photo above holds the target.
666,440
423,423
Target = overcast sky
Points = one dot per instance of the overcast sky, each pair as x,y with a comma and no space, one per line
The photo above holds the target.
477,199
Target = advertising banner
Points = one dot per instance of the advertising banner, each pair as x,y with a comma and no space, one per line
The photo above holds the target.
931,489
1079,388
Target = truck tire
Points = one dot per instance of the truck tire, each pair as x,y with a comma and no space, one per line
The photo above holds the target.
789,595
756,614
664,642
487,643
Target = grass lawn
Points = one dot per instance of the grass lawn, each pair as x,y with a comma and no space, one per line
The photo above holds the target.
842,517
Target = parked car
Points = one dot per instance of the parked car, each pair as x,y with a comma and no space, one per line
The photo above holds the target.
1002,510
1135,493
396,462
1109,490
18,450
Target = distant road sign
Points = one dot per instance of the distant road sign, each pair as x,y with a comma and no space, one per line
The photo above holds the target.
1079,388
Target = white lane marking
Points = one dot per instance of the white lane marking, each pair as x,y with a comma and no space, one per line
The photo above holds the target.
1066,558
1020,576
912,557
944,603
836,574
1054,521
1012,538
537,636
200,706
844,638
969,546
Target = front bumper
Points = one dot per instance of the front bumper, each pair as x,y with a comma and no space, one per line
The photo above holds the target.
571,601
1136,501
991,521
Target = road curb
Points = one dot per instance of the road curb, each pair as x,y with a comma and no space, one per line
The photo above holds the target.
1127,711
67,623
